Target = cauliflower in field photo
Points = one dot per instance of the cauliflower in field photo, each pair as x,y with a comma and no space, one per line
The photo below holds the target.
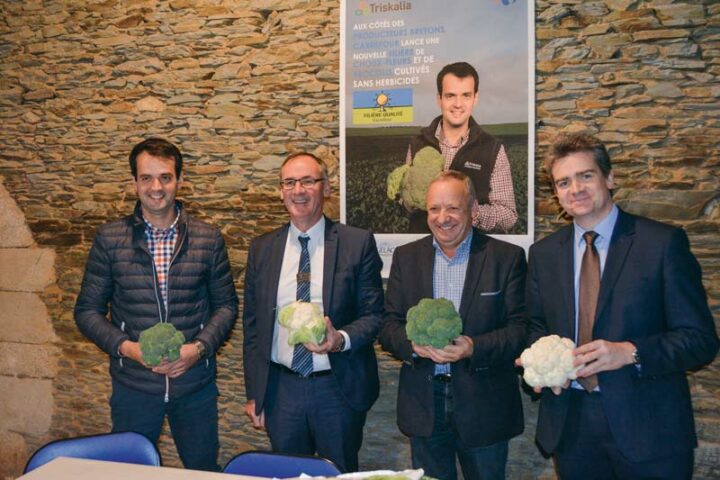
161,341
305,322
410,183
433,321
549,362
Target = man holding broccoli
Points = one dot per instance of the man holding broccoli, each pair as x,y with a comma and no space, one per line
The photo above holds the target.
311,397
467,148
629,291
457,397
172,303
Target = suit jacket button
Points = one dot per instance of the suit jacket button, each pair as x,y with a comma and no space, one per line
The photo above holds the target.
429,378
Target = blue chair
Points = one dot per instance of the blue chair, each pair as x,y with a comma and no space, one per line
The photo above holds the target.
280,465
124,447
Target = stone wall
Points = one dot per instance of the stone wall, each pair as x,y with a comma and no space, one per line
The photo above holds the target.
239,84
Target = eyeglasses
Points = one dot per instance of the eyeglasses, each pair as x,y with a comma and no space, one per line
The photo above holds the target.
305,182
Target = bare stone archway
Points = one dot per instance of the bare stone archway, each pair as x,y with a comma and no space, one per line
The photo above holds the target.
28,354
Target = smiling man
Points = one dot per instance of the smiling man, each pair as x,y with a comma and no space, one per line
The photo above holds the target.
467,148
312,398
628,290
462,400
160,265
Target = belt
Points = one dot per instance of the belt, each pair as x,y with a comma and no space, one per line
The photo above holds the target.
284,369
443,377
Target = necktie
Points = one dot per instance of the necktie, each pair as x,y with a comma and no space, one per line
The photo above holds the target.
588,297
302,361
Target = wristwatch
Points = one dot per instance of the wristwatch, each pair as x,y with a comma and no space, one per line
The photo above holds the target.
636,357
341,345
202,351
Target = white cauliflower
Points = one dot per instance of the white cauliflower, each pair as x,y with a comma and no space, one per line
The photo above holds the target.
304,321
549,362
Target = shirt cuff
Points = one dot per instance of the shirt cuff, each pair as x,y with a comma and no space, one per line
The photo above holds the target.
347,340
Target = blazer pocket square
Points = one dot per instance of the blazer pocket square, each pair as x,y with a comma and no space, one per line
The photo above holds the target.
490,294
473,166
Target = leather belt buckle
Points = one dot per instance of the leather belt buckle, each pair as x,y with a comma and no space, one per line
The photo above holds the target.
443,377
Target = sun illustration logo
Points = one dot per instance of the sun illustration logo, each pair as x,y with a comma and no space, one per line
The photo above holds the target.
382,100
363,8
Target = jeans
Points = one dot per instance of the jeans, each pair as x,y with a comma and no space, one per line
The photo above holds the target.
193,421
436,454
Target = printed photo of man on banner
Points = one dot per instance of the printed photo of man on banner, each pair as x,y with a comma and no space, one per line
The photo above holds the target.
430,86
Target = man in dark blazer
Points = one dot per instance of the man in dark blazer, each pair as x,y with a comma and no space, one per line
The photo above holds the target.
323,411
462,400
651,324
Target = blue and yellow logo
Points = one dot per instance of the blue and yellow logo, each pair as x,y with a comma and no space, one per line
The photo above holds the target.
373,107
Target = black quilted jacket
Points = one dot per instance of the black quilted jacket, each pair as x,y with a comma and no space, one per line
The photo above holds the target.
120,275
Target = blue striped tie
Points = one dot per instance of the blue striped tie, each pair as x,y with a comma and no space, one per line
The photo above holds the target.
302,361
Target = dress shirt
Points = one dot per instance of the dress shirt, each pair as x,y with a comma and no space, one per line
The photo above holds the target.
604,230
287,290
449,279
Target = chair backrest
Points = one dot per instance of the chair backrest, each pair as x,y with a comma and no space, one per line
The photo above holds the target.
124,447
280,465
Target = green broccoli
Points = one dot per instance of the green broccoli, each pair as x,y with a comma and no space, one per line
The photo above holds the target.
433,321
411,182
304,321
160,341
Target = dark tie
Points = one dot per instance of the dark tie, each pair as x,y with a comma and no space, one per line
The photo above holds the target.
588,297
302,361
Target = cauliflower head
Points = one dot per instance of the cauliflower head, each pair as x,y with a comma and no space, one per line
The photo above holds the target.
394,180
433,321
304,321
161,341
549,362
426,164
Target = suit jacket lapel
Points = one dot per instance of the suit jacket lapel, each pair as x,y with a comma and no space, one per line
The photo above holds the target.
426,263
620,243
329,261
566,261
274,259
473,273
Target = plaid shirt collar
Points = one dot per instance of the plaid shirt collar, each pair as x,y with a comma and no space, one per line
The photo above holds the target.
161,244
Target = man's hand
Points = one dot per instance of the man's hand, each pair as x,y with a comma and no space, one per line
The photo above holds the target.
461,347
603,356
538,390
332,341
188,358
258,421
132,350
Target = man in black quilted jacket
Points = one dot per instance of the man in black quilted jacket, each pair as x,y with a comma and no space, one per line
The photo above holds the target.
160,265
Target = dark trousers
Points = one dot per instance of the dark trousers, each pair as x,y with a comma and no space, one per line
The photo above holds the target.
587,449
310,415
436,454
193,421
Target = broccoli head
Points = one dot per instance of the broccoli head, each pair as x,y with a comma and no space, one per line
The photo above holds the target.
160,341
433,321
411,182
305,322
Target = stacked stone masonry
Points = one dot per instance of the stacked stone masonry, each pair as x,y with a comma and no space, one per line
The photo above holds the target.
239,84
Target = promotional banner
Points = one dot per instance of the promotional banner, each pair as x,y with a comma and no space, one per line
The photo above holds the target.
391,55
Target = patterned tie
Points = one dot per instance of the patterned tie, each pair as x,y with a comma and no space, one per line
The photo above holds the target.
588,297
302,361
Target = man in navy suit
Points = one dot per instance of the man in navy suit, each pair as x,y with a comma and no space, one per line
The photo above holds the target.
462,400
321,410
633,417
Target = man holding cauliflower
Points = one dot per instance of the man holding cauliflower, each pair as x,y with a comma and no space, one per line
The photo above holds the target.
312,310
628,291
455,316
